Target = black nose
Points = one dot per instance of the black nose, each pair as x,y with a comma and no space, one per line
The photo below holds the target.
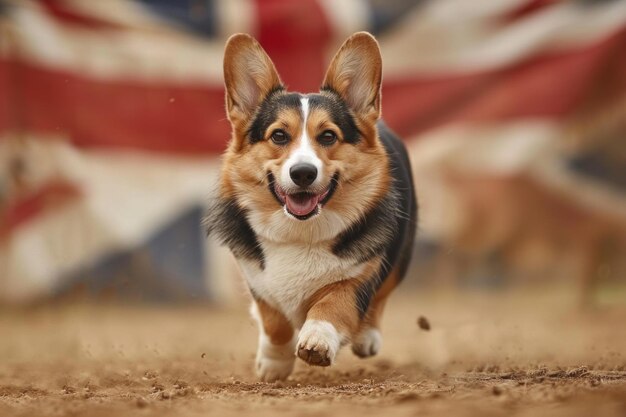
303,174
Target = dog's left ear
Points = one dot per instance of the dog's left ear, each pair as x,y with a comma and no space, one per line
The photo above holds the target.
356,74
249,75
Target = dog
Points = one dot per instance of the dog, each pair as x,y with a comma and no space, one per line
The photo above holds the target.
316,202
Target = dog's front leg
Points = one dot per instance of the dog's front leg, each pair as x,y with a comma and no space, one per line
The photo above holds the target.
275,357
331,321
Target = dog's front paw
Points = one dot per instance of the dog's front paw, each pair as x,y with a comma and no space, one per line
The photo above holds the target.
367,343
318,343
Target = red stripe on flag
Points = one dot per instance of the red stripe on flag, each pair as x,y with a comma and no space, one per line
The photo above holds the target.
5,95
69,16
152,117
528,8
49,196
550,86
295,34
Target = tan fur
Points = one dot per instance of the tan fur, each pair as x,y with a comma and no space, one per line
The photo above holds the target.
275,324
336,303
249,75
356,73
375,311
364,178
364,172
247,68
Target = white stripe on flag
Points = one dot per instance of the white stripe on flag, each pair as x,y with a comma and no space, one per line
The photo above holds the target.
429,43
164,55
235,16
346,17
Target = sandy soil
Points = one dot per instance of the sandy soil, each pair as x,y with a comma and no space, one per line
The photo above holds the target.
486,355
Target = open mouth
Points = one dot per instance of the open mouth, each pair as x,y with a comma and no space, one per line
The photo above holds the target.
303,204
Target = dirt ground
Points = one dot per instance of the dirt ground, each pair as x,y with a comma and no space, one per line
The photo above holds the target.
488,355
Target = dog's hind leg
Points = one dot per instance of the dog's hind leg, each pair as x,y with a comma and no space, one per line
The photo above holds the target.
275,355
368,339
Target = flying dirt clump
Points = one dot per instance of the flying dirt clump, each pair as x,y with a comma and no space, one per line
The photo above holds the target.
423,323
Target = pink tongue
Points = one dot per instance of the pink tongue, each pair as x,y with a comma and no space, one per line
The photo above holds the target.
301,206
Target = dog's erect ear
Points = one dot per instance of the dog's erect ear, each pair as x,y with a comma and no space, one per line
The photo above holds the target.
249,75
356,74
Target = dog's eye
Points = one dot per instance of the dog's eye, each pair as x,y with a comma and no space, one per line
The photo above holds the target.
280,137
327,138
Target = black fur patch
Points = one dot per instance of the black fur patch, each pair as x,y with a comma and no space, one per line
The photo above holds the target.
370,236
339,114
277,100
374,235
268,112
403,183
228,223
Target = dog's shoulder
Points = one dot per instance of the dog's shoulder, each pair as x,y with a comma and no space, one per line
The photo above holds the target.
228,222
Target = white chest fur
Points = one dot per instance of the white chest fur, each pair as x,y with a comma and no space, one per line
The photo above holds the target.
293,273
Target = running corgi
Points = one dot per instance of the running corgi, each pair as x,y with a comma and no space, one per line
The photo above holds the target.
316,201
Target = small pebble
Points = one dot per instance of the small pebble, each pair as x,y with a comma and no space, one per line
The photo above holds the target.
423,323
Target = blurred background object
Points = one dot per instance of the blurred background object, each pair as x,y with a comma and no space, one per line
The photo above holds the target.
112,122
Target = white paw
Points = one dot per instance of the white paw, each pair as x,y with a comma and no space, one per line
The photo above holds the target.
367,343
318,343
270,370
274,362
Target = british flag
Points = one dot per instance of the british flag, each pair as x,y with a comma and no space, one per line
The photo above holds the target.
112,120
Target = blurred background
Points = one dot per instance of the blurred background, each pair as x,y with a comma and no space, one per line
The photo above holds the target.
112,122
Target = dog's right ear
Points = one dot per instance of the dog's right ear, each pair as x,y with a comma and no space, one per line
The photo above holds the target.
249,75
355,73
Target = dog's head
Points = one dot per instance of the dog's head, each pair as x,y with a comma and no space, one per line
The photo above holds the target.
309,157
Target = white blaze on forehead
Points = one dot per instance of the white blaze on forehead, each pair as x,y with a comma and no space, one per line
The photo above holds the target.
303,153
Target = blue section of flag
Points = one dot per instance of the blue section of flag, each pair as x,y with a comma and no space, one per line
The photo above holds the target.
3,7
607,166
385,14
198,16
169,267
